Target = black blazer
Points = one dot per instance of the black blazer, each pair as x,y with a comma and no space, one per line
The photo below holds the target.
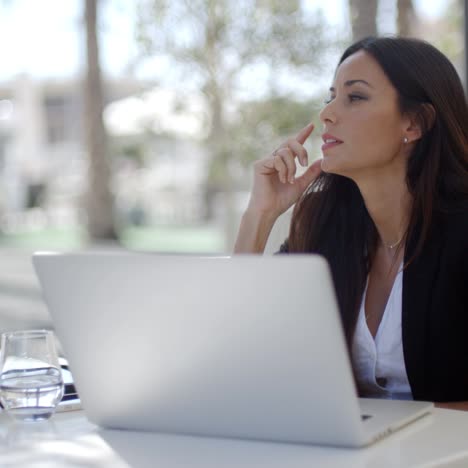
435,312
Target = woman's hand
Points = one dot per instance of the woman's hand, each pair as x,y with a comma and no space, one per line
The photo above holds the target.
276,187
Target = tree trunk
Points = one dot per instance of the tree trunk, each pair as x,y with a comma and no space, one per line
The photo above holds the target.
218,139
406,17
363,18
218,135
99,200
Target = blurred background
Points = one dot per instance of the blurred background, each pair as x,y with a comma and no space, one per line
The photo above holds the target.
134,123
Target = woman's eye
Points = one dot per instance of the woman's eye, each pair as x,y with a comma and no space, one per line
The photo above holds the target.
355,97
351,97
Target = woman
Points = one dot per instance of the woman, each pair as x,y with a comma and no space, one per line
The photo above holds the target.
388,208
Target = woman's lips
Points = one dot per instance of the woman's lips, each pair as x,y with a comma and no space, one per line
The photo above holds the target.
330,141
327,146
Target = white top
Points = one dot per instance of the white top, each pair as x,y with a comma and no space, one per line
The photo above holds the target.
380,366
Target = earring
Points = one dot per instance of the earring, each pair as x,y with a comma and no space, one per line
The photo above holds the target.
405,140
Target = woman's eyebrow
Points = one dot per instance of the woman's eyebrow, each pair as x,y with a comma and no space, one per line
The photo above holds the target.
351,82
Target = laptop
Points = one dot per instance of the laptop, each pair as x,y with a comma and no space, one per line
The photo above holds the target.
246,347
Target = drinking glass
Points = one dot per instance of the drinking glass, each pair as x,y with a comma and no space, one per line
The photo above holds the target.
31,384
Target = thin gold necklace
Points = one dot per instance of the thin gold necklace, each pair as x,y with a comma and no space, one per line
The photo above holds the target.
390,247
396,244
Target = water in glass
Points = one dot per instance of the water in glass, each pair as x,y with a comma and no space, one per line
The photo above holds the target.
31,394
31,383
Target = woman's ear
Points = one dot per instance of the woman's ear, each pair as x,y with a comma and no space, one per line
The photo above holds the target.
420,122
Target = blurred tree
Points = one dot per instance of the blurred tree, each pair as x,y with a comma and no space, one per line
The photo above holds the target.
406,21
213,42
363,18
447,33
264,131
99,200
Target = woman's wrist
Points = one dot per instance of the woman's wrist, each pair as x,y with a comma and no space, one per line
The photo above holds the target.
255,228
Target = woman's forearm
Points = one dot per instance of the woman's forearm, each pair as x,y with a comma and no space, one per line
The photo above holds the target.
254,231
457,405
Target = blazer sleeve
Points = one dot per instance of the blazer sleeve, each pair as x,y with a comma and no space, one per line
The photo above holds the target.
435,314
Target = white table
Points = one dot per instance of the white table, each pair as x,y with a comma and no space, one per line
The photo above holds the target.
70,440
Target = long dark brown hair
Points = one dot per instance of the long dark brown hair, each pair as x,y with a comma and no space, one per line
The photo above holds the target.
331,218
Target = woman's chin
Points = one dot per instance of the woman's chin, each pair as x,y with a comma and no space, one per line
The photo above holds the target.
329,164
332,165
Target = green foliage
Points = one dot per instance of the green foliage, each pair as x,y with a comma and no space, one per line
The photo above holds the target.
133,151
451,42
211,43
262,124
128,149
259,127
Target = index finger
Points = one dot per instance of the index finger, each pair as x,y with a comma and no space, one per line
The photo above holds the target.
302,136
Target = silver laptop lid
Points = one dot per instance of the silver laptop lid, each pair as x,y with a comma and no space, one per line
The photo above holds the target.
246,347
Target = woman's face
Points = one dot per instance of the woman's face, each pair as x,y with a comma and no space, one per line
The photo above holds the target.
362,114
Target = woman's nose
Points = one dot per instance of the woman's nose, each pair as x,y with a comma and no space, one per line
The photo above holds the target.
327,114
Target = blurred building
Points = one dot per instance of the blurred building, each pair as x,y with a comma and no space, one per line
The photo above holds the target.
43,159
159,136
